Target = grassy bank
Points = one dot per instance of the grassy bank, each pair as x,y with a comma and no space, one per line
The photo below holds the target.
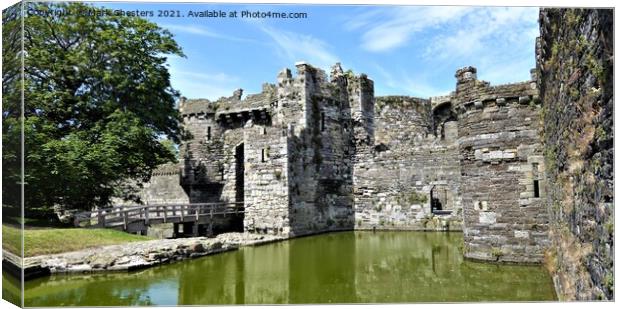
57,240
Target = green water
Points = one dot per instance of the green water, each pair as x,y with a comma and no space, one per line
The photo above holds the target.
347,267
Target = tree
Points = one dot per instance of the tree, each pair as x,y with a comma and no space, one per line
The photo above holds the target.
97,103
12,82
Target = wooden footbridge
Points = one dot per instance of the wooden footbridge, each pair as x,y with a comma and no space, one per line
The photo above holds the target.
137,218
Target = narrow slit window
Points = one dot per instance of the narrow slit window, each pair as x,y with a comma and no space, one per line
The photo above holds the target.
262,155
208,133
323,121
536,189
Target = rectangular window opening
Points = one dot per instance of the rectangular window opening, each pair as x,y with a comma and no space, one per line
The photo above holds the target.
323,121
262,155
208,133
536,189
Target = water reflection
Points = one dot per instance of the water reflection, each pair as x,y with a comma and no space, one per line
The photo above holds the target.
11,289
348,267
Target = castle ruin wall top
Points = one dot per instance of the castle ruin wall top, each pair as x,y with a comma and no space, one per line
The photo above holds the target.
230,105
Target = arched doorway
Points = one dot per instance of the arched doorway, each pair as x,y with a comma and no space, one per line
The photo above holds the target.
442,114
441,200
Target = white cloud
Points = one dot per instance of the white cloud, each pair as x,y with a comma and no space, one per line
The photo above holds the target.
190,29
396,26
485,30
444,32
499,41
294,46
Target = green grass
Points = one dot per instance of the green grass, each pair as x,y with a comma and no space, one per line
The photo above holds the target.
11,239
49,241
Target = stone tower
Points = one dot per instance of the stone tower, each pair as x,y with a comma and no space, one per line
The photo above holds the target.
362,103
502,179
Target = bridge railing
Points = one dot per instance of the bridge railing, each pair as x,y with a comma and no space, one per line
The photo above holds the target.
125,214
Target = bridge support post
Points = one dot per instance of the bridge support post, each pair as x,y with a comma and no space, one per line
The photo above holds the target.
175,230
100,219
195,229
210,229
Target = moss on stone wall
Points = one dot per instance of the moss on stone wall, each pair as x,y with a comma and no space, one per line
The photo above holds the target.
412,197
575,79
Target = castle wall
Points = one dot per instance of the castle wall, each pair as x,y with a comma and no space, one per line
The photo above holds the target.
361,101
310,147
502,179
266,190
394,180
164,187
575,69
310,154
209,164
233,137
319,162
202,157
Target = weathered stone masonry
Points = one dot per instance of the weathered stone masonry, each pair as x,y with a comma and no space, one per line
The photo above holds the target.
505,164
575,68
410,166
316,153
502,179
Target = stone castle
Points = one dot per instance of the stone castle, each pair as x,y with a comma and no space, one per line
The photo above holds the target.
524,170
317,153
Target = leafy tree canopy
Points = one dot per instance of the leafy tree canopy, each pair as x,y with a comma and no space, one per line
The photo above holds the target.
97,104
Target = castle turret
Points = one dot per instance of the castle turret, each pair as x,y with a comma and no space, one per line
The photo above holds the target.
501,163
182,101
237,94
362,101
465,76
287,106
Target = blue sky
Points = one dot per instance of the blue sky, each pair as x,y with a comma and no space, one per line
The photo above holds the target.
406,50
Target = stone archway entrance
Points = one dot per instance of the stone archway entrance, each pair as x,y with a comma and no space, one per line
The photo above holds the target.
444,121
441,200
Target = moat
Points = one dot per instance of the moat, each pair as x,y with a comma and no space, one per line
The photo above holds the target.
344,267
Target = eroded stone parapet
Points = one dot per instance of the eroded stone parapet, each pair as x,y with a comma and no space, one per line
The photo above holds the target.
466,74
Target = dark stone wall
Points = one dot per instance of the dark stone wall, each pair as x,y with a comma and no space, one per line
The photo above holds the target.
164,186
319,149
266,181
502,186
575,69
